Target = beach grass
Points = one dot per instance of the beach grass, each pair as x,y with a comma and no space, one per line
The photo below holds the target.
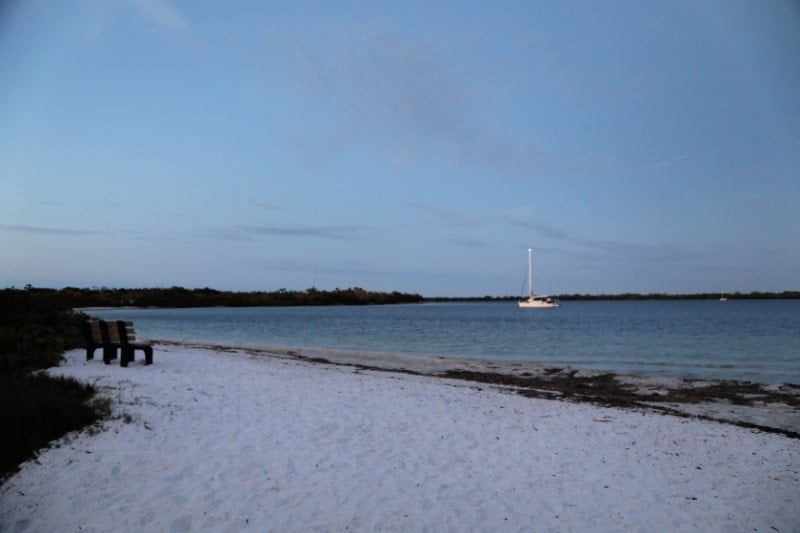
37,408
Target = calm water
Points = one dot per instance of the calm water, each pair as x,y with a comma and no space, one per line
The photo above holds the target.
757,340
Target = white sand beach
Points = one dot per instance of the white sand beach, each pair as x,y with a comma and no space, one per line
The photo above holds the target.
212,440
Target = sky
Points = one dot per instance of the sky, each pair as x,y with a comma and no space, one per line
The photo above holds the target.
422,147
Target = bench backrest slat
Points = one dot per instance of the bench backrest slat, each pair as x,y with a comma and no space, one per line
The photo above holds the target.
113,332
94,331
129,331
116,332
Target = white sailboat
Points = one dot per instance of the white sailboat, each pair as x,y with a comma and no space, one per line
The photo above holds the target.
536,302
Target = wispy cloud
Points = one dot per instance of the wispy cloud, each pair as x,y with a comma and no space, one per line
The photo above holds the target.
338,270
444,216
403,95
450,218
157,13
161,13
664,163
340,232
265,206
358,269
610,249
643,252
51,203
37,230
468,241
539,227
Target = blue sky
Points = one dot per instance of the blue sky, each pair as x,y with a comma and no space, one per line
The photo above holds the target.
411,146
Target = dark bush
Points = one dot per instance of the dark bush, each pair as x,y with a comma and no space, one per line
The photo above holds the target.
35,329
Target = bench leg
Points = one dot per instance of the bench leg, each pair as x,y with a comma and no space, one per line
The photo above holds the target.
148,355
125,356
109,353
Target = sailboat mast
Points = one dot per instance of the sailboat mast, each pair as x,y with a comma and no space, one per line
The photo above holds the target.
530,284
533,301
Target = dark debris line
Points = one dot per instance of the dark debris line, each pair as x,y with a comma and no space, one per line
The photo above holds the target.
606,390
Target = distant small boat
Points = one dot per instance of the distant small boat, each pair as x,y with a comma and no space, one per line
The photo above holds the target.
722,298
536,302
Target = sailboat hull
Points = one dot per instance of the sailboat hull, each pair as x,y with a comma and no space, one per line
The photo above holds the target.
538,303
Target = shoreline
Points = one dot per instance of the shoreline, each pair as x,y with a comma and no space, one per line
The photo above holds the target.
682,340
764,407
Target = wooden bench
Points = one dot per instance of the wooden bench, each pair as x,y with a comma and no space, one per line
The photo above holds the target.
113,336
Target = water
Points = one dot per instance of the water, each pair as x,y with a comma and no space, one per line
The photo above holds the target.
754,340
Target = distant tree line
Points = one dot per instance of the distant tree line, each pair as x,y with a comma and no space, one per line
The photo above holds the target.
72,297
75,298
756,295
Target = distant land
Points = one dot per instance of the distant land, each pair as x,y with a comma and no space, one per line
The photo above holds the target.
756,295
181,297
